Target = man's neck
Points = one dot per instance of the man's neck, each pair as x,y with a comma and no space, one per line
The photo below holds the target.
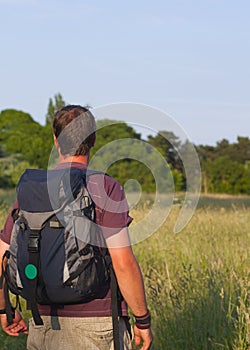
74,159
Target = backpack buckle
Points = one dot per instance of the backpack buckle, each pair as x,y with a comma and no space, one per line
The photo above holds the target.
33,242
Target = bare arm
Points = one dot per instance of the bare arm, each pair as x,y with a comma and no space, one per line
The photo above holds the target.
18,325
130,281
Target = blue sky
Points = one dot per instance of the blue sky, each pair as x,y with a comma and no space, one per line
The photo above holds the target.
187,58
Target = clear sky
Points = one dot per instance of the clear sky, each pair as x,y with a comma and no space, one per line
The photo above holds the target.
190,59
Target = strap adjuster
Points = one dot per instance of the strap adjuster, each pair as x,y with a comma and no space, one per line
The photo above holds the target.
33,242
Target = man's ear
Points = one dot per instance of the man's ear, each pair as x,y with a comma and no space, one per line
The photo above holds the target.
94,139
56,142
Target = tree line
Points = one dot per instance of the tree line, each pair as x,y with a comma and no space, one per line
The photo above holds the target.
225,167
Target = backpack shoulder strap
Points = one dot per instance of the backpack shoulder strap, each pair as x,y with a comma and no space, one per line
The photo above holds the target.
113,284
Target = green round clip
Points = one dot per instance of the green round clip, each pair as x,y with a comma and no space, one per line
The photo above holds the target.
30,271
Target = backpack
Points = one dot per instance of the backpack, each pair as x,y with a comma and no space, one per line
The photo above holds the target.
57,253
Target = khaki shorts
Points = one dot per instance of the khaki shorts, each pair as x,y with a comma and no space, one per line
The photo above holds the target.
75,333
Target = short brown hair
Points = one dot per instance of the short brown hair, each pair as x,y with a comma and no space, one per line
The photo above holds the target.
74,127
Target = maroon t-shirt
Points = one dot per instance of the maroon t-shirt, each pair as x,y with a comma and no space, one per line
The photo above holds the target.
112,214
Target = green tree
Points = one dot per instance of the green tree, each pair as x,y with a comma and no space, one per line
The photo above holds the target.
168,144
238,151
11,169
110,149
54,106
228,160
120,151
227,176
21,135
109,130
1,152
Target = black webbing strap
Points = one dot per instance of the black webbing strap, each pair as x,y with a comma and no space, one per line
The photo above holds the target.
33,249
8,306
2,275
114,307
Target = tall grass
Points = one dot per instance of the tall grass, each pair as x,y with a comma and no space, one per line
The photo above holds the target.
197,281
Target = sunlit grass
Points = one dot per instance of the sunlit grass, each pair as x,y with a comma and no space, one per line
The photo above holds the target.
198,281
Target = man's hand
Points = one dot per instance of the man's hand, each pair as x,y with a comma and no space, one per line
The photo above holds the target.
18,325
143,335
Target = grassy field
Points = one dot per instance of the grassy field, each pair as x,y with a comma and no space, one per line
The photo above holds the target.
197,281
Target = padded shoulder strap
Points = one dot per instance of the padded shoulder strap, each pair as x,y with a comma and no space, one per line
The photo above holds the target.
90,172
41,193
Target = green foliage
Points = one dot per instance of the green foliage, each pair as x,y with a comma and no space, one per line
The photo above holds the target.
125,170
24,138
11,169
238,151
120,152
112,130
179,155
168,144
224,175
53,107
225,167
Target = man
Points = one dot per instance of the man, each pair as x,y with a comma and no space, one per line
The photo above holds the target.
89,325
